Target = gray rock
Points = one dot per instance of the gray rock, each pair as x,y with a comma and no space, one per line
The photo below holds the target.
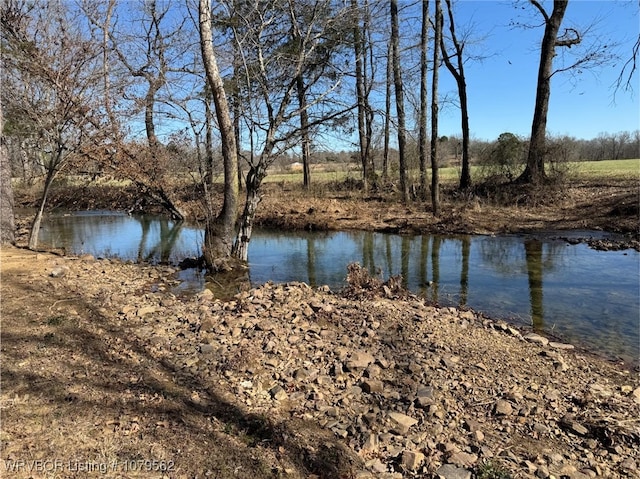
536,338
449,471
561,346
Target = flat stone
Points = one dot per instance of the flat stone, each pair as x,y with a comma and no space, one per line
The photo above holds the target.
359,360
449,471
402,422
463,459
412,460
536,338
206,348
145,310
562,346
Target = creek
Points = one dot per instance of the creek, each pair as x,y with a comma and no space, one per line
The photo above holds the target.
570,291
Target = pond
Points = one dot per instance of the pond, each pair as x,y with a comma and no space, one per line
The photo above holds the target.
588,297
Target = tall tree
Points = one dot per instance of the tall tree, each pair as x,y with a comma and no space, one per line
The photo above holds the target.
437,41
399,94
422,127
7,226
279,44
364,109
219,233
457,71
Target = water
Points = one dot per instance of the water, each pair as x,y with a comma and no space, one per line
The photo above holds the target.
585,296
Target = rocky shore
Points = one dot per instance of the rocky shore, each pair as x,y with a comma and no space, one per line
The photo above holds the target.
365,382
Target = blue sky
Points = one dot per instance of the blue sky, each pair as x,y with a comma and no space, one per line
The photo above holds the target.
501,88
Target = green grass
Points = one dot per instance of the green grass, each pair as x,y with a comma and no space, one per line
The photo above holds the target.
608,169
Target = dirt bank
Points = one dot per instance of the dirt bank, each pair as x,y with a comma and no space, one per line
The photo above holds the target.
602,206
107,373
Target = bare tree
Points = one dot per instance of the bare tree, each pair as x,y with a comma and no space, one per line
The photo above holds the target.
275,54
220,230
7,225
457,71
399,94
51,74
435,179
422,127
152,52
595,55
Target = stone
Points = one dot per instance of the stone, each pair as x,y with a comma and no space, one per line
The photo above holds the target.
371,442
278,393
402,423
145,310
503,408
59,272
412,460
206,348
462,459
536,338
568,422
561,346
359,360
449,471
372,386
636,394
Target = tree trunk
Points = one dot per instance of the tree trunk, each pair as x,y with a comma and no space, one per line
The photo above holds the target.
7,222
397,80
458,74
219,230
360,94
435,180
254,181
387,112
304,129
534,172
35,226
422,132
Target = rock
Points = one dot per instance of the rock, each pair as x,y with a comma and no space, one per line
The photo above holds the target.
278,393
59,272
462,459
503,408
145,310
402,422
536,338
449,471
561,346
412,460
636,394
359,360
568,422
206,348
372,386
371,442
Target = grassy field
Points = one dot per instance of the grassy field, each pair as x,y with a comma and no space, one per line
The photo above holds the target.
584,170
